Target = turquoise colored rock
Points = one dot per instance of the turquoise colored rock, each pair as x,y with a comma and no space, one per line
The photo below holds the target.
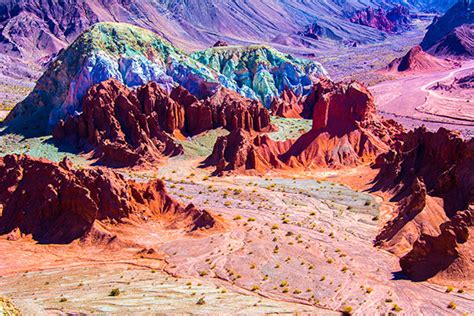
135,56
260,71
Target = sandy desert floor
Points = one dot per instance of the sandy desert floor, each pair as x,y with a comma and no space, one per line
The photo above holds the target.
298,242
410,101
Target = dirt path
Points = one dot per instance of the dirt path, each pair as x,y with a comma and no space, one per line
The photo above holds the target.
410,101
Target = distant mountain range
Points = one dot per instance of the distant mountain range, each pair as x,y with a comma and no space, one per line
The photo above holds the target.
452,33
34,29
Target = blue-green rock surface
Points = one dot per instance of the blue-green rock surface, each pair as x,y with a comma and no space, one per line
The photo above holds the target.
135,56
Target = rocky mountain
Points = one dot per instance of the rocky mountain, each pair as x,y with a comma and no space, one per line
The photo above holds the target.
135,56
259,72
416,60
72,203
44,27
461,13
457,43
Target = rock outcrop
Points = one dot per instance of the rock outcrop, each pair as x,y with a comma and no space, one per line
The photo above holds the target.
448,255
227,109
220,43
122,130
346,131
416,60
396,19
316,31
66,203
241,151
126,128
290,105
430,175
287,105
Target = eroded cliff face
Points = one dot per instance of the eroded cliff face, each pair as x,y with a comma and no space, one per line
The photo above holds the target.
126,128
416,60
68,204
346,132
431,176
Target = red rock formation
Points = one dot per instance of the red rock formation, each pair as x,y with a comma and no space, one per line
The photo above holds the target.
448,255
119,129
227,109
395,20
243,151
346,131
288,105
431,176
129,128
416,60
66,203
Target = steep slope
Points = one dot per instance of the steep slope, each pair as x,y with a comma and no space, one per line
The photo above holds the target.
416,60
432,179
68,204
457,43
135,56
461,13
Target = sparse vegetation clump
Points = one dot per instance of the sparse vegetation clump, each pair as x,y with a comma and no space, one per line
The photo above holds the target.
347,310
396,308
115,292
